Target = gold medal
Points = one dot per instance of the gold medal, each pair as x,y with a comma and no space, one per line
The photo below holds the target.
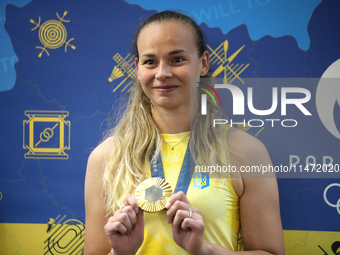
153,194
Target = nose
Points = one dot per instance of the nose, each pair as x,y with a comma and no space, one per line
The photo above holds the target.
163,72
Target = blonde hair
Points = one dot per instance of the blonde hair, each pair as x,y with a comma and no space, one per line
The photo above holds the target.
136,135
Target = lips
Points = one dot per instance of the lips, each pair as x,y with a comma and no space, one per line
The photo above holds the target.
166,88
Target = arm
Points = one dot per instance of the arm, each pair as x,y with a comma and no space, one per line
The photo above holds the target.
259,202
124,231
96,241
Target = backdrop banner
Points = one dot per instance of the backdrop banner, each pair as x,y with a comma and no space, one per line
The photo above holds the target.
65,66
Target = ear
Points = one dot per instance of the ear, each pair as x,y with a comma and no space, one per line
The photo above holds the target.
204,63
136,66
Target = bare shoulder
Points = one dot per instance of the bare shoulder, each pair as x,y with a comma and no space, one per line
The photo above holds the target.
248,154
100,152
245,147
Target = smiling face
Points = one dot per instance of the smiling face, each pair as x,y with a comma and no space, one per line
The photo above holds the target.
168,59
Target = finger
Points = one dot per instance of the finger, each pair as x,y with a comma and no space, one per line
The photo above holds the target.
177,196
140,215
180,216
177,205
124,219
193,225
132,201
131,213
140,221
111,219
112,228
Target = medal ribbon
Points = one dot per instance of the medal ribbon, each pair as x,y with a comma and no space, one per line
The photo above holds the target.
185,174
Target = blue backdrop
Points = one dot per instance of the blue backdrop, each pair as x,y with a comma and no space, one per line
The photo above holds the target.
64,63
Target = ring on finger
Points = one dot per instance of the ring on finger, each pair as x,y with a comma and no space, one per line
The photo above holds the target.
190,213
121,208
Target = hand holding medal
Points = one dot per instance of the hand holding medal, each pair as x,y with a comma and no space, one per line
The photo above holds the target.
187,224
125,229
155,194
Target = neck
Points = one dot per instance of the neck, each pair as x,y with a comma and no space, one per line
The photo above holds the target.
172,121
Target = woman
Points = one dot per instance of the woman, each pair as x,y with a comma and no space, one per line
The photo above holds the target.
170,59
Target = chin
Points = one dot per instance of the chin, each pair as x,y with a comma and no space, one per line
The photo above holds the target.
166,104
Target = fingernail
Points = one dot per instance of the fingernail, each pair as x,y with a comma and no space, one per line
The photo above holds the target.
167,205
136,210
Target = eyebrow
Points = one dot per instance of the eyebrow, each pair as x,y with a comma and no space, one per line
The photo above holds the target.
173,52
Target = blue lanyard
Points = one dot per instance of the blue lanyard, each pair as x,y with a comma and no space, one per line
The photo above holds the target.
185,174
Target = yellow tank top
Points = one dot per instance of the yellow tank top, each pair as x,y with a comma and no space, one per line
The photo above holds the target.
218,203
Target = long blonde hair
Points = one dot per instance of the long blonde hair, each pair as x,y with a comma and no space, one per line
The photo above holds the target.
136,135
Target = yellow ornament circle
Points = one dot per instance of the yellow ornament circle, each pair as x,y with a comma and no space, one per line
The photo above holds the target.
52,34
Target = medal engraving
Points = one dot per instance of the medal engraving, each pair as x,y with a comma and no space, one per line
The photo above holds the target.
153,193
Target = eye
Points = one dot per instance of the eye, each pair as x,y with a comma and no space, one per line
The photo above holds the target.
149,62
178,59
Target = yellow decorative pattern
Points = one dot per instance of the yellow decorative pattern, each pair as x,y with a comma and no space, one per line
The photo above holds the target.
46,134
124,67
52,34
219,56
64,237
